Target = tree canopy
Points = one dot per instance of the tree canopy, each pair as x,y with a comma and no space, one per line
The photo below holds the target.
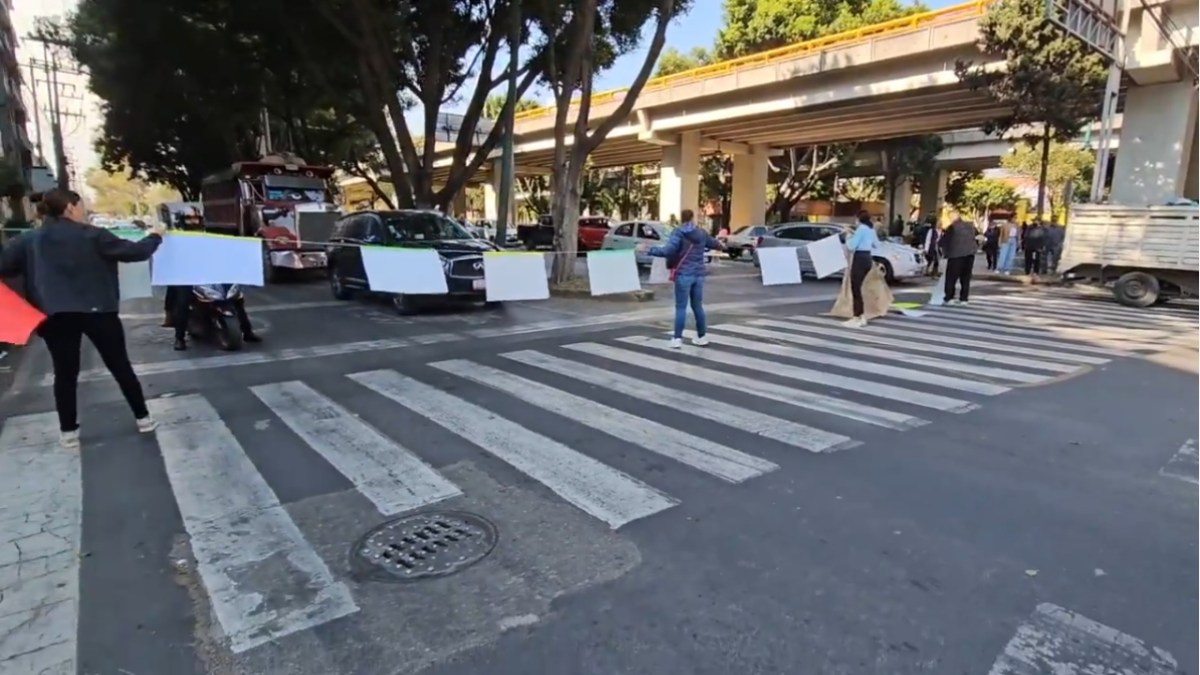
981,194
673,61
753,26
1052,80
119,194
1066,163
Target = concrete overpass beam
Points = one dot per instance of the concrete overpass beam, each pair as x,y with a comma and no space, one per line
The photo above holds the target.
933,192
748,205
679,176
1158,135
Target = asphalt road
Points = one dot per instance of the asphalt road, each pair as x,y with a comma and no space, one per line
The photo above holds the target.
1004,489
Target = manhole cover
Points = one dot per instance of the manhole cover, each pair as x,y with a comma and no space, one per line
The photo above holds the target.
423,545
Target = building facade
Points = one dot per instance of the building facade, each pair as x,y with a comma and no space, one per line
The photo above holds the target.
16,155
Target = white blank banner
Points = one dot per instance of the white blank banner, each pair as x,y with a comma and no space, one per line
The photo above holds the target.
613,272
134,279
515,276
828,256
195,259
397,270
659,274
779,266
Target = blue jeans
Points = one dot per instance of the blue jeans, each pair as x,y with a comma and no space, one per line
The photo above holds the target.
690,287
1008,252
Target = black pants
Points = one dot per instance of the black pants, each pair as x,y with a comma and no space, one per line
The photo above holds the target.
860,266
63,334
178,304
1050,260
932,261
958,272
991,252
1033,261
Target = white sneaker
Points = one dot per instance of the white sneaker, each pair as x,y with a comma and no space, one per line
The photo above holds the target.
700,341
964,303
854,322
69,439
676,343
147,424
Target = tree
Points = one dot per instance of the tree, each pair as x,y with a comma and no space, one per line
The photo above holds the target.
494,105
1052,81
673,61
1055,167
716,182
582,37
864,189
907,158
799,170
623,191
121,194
981,195
753,26
957,182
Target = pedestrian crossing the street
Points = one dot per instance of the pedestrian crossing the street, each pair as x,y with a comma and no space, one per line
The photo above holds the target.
781,388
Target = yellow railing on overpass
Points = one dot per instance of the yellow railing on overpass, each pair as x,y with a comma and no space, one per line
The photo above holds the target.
907,23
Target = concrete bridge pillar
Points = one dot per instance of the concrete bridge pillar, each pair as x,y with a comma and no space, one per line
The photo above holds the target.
933,193
1158,144
679,177
899,200
748,204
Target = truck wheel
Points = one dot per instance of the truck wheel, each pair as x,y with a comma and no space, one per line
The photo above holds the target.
529,245
1136,289
337,286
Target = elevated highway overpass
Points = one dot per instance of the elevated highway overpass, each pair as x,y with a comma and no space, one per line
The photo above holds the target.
883,81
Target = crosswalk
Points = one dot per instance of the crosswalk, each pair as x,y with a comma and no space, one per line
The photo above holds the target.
783,387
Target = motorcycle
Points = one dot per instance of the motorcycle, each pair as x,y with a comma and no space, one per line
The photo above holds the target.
212,314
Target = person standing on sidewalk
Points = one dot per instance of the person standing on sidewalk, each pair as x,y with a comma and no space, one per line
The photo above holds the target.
1010,236
862,242
932,236
70,270
959,246
1035,246
1055,236
991,245
684,252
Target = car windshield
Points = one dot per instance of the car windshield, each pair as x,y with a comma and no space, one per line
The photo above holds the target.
424,227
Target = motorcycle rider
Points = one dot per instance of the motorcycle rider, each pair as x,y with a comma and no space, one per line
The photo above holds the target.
178,302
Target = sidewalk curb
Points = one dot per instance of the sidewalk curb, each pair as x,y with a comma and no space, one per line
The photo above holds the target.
1022,279
644,295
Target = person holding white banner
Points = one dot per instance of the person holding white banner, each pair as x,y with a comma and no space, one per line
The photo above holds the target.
70,270
684,252
861,243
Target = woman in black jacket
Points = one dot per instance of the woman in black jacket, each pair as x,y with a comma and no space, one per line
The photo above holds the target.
70,270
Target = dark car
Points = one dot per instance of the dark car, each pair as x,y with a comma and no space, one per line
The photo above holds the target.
462,254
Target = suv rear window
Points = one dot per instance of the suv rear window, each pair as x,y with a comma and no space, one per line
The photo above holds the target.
424,227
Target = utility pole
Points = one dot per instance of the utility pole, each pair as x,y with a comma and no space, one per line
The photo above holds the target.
37,113
507,196
51,70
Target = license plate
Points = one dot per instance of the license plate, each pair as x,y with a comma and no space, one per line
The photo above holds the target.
479,284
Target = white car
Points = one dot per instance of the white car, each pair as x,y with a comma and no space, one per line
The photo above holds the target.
742,241
899,261
640,235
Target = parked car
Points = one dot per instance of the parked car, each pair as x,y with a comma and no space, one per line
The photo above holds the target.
743,240
592,231
462,254
645,233
898,260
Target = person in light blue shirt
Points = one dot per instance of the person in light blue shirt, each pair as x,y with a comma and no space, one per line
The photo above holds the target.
861,243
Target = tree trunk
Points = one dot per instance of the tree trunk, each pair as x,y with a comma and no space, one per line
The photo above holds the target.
565,204
1045,168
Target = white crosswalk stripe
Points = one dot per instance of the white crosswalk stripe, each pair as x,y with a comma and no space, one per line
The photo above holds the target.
768,385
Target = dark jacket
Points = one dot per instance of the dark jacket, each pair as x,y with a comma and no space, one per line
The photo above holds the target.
72,267
1055,235
690,242
958,240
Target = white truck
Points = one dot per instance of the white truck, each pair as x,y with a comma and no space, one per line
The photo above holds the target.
1146,254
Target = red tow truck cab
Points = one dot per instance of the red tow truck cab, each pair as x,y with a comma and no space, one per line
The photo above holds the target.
269,199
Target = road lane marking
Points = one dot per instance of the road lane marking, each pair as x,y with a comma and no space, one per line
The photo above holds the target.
859,336
868,387
387,473
257,309
938,335
263,579
597,489
41,505
1055,640
699,453
745,385
933,379
744,419
1184,465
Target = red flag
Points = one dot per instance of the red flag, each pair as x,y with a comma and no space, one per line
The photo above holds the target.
18,318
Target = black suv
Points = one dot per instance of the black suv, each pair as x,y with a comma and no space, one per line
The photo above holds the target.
462,254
